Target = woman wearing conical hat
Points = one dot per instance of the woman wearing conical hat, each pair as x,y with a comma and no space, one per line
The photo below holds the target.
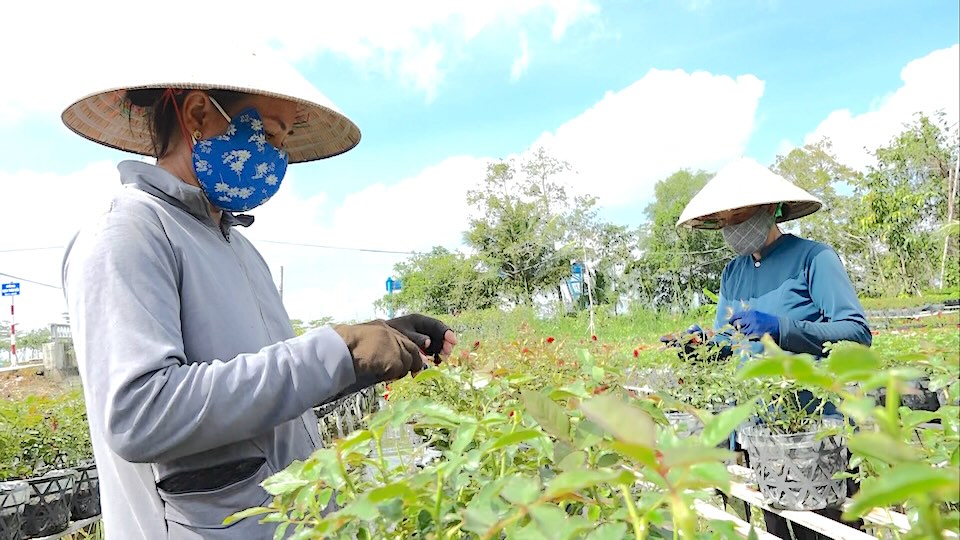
794,289
197,389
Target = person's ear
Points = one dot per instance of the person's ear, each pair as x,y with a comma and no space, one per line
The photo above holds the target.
195,114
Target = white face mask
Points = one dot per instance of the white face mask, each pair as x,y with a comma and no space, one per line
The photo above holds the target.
750,235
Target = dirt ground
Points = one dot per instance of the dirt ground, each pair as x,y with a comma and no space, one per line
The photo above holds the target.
21,383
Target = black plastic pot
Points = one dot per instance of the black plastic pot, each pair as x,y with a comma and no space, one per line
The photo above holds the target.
795,472
921,399
86,497
13,497
48,505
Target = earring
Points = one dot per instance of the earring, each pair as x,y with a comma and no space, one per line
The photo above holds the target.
197,134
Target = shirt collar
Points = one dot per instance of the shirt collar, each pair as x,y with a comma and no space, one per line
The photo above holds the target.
163,185
775,245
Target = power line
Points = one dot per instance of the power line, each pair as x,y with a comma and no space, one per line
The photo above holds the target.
342,248
15,250
31,281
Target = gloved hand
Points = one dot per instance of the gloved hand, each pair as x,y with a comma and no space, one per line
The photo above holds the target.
753,323
379,352
431,335
698,345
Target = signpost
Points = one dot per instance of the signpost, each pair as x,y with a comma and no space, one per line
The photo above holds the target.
12,289
392,285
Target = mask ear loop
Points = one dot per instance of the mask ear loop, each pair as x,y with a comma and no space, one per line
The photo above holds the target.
169,96
219,108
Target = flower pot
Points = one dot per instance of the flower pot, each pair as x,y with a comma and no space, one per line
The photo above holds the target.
13,497
685,424
795,471
921,399
86,497
48,506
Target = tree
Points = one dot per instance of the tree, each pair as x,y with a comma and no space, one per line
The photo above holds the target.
300,327
815,169
905,202
677,263
521,232
442,282
33,341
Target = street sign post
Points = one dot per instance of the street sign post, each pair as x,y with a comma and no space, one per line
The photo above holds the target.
392,285
12,289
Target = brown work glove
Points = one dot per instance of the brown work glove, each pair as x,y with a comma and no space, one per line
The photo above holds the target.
379,352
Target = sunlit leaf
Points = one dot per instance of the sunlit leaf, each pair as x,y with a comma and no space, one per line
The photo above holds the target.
396,490
551,417
900,483
283,482
719,428
708,475
355,438
464,436
521,490
573,460
511,439
685,456
569,482
852,362
608,531
622,420
877,445
249,512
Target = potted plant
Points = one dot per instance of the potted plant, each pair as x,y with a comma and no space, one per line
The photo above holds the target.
47,510
795,450
13,497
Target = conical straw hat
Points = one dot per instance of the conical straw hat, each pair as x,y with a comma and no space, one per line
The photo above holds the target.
743,183
320,131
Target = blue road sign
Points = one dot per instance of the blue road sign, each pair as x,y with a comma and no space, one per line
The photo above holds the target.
10,289
393,285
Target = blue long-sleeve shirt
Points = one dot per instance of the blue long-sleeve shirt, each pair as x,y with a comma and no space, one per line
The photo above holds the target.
804,284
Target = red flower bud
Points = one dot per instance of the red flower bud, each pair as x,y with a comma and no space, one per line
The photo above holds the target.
593,337
636,353
550,339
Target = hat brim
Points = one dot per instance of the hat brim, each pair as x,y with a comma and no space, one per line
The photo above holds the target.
103,117
791,210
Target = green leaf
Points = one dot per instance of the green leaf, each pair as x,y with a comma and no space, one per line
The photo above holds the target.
762,368
479,518
551,417
710,294
354,439
685,456
902,483
249,512
608,531
608,459
878,445
396,490
511,439
464,436
622,420
852,362
569,482
283,482
719,428
641,454
573,460
521,490
708,475
597,373
429,375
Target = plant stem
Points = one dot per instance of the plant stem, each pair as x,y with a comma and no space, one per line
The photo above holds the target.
500,525
437,506
638,526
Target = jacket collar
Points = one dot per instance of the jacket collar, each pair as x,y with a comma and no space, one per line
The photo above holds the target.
161,184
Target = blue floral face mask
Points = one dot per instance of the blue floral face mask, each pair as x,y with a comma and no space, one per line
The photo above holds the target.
239,170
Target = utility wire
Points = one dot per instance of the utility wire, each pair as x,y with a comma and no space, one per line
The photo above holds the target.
31,281
30,249
343,248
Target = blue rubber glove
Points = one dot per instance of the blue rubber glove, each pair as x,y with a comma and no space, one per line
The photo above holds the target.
753,323
691,342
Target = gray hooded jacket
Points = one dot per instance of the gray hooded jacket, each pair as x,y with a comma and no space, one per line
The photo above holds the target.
196,388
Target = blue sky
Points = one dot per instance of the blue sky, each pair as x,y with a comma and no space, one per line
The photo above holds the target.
428,126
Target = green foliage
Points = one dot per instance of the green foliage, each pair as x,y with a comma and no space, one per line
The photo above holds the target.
441,282
677,262
40,433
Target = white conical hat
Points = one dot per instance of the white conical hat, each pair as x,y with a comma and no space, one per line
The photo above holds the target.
321,130
743,183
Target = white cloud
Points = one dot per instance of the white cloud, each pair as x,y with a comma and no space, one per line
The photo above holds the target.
44,210
416,43
665,121
930,83
522,62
